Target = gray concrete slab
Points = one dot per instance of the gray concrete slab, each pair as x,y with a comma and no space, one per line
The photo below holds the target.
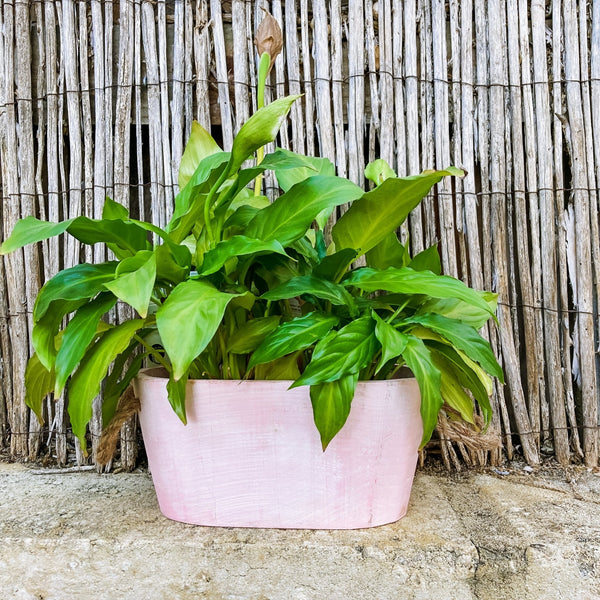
489,536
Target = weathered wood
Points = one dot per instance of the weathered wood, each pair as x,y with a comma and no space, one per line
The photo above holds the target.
421,83
581,204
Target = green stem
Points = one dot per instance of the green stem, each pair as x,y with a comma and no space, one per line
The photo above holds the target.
208,203
224,357
156,355
263,72
397,312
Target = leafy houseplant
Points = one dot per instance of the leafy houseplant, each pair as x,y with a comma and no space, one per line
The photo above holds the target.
236,287
239,288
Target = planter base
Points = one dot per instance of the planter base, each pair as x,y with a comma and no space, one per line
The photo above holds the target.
250,455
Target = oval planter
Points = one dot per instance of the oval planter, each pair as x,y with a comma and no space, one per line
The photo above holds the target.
250,455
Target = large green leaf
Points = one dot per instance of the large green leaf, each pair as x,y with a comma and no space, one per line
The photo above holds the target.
283,368
188,319
453,393
341,353
453,308
189,203
39,382
173,263
418,358
288,218
427,260
408,281
292,336
78,335
135,281
260,129
467,377
291,168
334,266
114,210
238,245
31,230
248,337
312,286
393,342
381,211
389,252
45,330
77,283
127,237
464,338
200,144
119,235
176,393
331,404
85,383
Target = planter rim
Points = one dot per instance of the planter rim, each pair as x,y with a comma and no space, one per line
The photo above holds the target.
161,374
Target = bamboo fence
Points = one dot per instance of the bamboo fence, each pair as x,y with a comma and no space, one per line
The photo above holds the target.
97,98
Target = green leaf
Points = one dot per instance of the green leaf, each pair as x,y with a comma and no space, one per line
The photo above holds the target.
427,260
135,281
312,286
188,320
466,376
292,336
173,263
288,218
389,252
260,129
238,245
418,358
407,281
381,211
334,266
116,383
45,330
291,168
189,203
341,353
124,238
31,230
284,368
114,210
452,392
331,404
85,384
77,336
453,308
378,171
76,283
39,382
200,144
176,393
464,338
249,336
392,341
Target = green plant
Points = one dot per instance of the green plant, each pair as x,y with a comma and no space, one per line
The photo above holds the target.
238,287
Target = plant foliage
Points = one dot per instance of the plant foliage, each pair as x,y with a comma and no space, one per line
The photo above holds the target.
240,288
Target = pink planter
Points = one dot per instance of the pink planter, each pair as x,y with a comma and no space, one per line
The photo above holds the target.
250,455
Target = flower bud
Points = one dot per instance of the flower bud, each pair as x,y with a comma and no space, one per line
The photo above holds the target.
269,38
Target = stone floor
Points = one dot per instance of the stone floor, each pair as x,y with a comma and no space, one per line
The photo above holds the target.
490,535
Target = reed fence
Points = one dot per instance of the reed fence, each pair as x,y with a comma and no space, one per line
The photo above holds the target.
97,98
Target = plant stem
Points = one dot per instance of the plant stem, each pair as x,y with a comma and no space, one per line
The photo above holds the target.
263,72
155,354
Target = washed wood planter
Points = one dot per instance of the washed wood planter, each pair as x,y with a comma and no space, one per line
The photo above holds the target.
250,455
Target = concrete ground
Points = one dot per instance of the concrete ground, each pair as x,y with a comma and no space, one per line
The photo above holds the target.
489,535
